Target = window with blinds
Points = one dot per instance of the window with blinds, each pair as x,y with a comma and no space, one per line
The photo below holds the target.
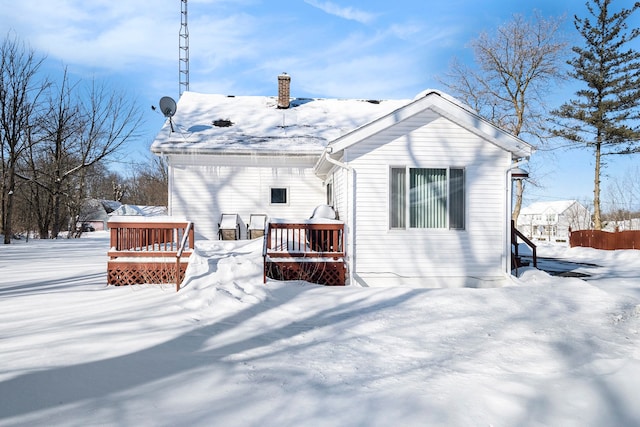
427,198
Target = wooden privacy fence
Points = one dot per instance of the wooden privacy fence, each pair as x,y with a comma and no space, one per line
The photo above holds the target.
597,239
312,250
149,251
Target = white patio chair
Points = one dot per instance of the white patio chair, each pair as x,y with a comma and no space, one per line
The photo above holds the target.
229,227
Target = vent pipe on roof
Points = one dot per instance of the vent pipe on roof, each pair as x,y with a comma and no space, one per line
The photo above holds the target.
284,90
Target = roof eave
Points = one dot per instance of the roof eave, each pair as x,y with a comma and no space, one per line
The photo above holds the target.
194,150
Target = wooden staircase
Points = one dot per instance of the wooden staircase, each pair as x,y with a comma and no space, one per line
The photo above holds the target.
311,250
516,259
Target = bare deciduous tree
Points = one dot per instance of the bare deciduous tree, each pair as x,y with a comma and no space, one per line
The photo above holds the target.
77,132
20,90
623,200
148,185
514,70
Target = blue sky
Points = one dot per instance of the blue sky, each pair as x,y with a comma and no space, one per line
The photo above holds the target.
337,48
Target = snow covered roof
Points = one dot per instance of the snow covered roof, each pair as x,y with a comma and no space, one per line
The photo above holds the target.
557,206
253,124
110,205
93,210
139,210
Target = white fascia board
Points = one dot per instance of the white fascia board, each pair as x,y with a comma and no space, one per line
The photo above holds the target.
378,125
194,149
439,104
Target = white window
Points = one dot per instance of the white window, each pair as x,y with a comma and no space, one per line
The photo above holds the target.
279,196
427,198
330,194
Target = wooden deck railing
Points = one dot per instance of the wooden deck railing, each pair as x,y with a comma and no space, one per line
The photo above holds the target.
312,250
149,251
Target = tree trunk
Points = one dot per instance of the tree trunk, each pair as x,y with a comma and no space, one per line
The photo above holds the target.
597,222
8,214
518,204
7,220
55,223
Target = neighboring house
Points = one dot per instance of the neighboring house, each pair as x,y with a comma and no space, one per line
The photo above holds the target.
94,214
622,225
551,221
423,186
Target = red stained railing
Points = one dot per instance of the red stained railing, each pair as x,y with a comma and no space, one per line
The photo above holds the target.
310,250
138,251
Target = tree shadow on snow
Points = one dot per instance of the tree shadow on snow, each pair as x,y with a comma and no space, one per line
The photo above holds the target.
101,380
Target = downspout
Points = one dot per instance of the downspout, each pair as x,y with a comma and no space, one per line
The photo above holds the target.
170,173
351,259
509,198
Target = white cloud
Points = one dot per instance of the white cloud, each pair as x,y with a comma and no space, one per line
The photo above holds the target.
102,34
232,50
349,13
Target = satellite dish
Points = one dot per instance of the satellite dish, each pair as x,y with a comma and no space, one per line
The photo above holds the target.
167,106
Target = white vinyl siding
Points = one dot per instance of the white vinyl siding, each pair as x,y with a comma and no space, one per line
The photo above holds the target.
201,191
342,198
471,244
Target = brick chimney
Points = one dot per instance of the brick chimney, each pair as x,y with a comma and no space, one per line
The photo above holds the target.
284,90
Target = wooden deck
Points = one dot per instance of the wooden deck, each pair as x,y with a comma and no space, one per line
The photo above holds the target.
312,250
147,250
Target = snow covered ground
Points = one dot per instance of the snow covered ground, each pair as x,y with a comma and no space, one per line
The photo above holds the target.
229,351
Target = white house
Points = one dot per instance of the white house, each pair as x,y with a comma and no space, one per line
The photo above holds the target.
423,185
551,221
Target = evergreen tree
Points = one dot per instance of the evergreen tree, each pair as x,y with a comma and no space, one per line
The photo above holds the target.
604,115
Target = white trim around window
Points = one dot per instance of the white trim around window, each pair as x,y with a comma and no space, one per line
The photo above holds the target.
279,196
427,198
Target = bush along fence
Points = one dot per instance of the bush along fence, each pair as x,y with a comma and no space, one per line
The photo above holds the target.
629,239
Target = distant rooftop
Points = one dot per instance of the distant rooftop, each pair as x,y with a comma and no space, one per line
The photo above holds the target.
539,208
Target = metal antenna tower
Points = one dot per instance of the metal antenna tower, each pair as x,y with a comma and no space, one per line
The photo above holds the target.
184,49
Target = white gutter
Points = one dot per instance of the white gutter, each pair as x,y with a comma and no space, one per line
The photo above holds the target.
351,258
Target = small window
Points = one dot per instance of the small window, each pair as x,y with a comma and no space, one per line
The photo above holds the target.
279,196
329,194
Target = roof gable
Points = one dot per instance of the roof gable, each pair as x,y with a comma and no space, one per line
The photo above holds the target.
445,106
